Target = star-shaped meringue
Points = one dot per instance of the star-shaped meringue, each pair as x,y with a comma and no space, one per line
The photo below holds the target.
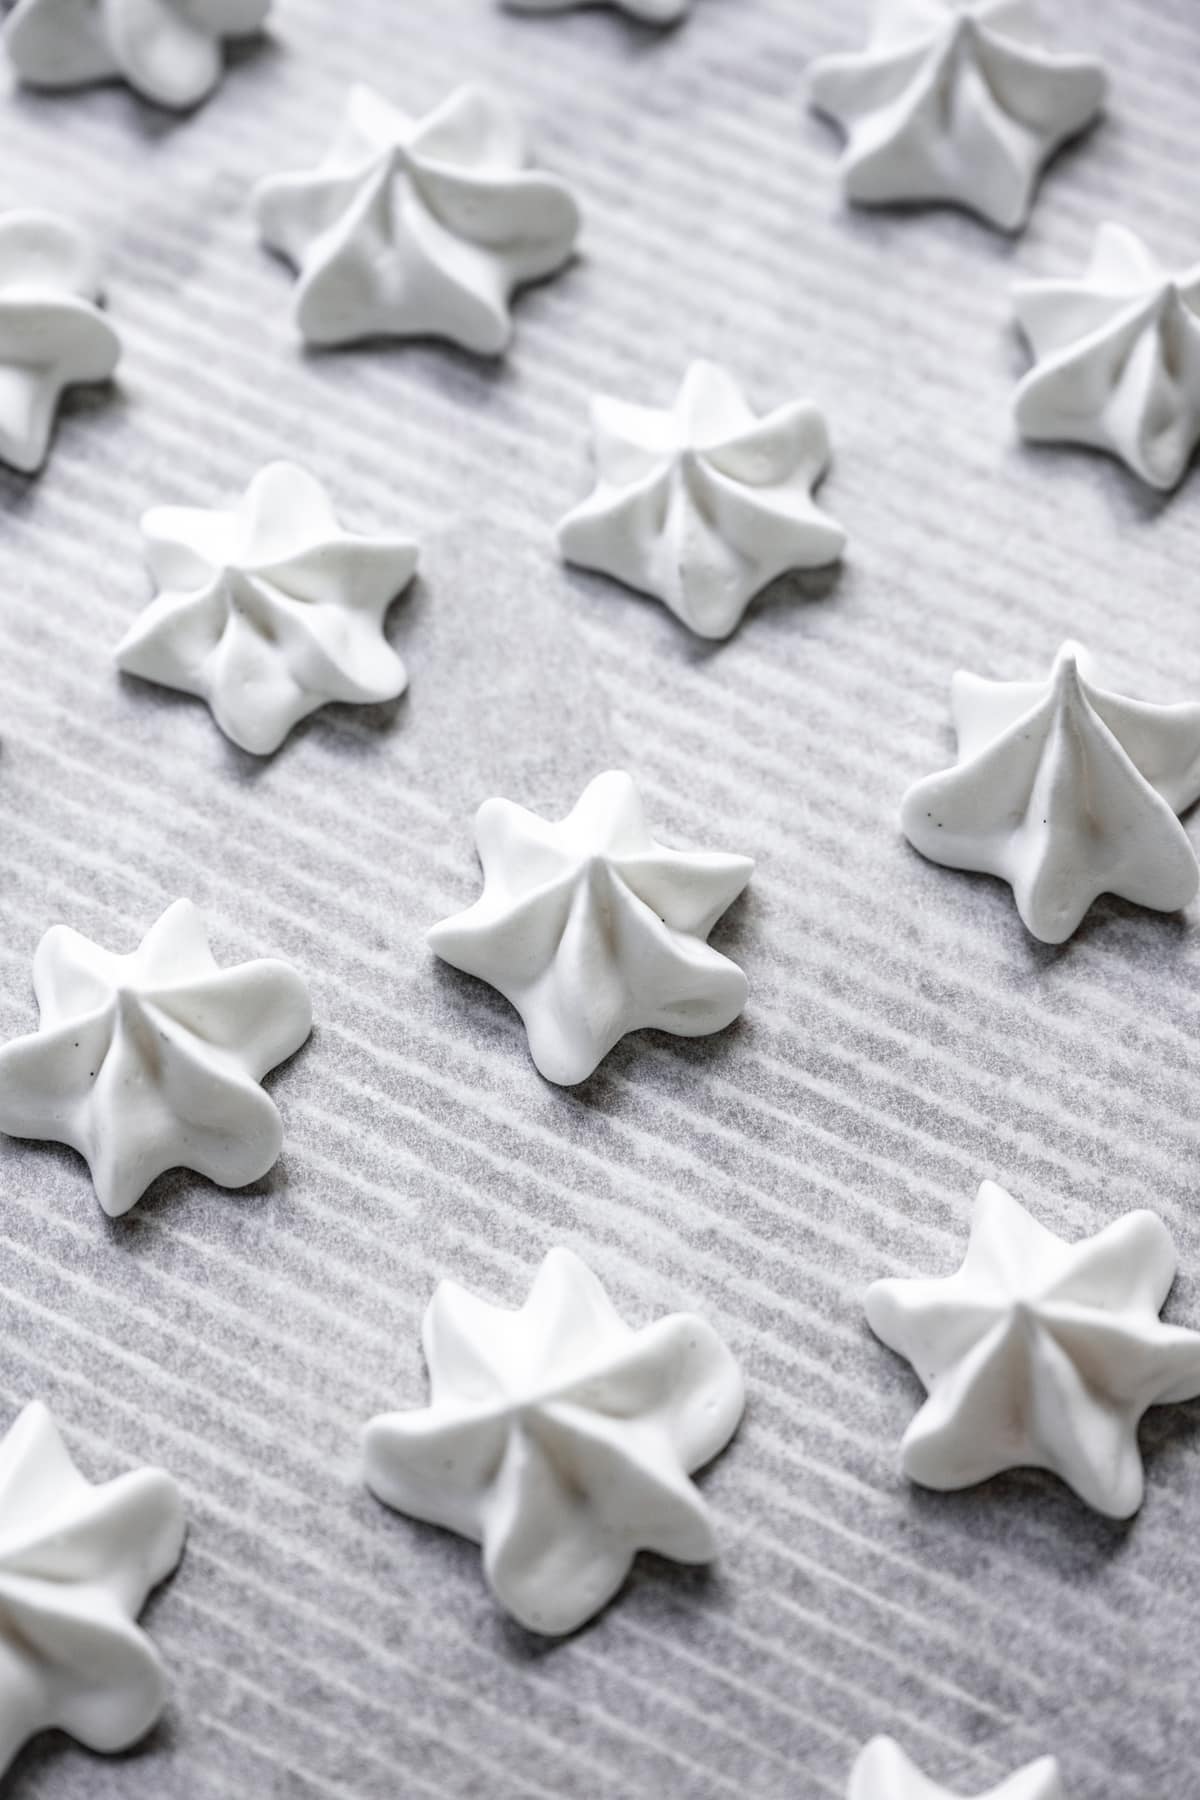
418,228
1117,359
650,12
169,51
1041,1354
883,1772
1067,792
956,101
560,1439
76,1565
152,1061
591,929
269,611
52,335
705,504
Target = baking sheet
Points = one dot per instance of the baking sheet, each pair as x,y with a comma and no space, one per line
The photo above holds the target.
904,1039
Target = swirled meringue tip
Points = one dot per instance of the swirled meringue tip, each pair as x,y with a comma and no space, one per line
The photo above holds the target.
1116,358
882,1771
591,929
560,1440
1067,791
270,610
169,51
77,1563
152,1061
419,227
52,334
956,102
704,504
1039,1353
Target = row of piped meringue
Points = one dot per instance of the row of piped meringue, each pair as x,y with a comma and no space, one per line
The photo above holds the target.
592,929
1062,788
563,1441
701,504
957,101
172,52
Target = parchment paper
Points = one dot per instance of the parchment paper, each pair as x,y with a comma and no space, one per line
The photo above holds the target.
905,1037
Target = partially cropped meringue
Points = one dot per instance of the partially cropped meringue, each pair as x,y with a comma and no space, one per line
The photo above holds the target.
592,929
1041,1354
705,504
77,1563
152,1061
884,1772
1066,791
271,610
560,1439
418,228
52,335
169,51
650,12
1118,358
956,101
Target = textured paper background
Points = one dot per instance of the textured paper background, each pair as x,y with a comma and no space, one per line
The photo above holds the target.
904,1038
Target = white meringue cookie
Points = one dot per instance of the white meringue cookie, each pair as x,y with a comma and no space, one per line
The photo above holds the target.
1067,792
560,1439
152,1061
77,1563
1117,358
418,228
956,101
591,929
51,333
1041,1354
169,51
705,504
650,12
883,1772
271,610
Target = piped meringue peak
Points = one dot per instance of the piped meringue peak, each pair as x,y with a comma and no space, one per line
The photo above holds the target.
52,335
418,228
271,610
884,1772
169,51
77,1563
560,1439
955,101
704,504
1040,1354
1117,358
592,929
1066,791
649,12
152,1061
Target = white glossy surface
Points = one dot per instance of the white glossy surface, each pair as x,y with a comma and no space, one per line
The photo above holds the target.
1040,1353
1117,354
52,334
704,504
77,1563
152,1061
270,610
959,101
1065,790
592,929
418,227
560,1439
884,1772
170,51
